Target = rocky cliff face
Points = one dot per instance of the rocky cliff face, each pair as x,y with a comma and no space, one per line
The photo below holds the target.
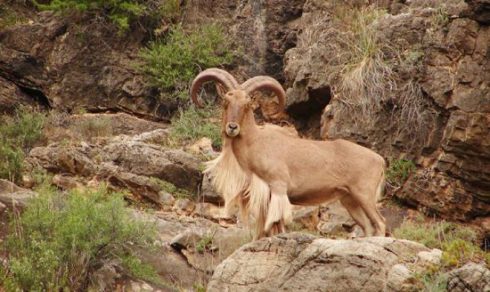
444,45
73,62
439,51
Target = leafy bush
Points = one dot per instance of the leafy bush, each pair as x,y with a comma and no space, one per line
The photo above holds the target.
193,124
458,243
171,64
204,243
121,12
171,8
431,280
59,241
18,134
399,171
8,17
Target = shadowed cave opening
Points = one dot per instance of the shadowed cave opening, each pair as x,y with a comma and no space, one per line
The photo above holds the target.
307,114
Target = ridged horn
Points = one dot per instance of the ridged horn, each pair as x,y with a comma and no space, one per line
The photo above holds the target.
267,83
212,74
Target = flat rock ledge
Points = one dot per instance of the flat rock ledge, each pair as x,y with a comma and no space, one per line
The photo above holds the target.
303,262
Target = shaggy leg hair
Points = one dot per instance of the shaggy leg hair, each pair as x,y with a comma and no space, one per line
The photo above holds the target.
247,191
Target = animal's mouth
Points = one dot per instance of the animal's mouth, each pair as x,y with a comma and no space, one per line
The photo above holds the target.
232,129
232,132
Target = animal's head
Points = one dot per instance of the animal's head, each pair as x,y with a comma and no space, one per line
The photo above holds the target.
237,101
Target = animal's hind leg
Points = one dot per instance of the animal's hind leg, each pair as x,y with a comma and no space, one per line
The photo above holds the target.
370,209
358,215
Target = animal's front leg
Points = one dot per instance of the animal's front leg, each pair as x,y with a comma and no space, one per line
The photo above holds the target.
279,210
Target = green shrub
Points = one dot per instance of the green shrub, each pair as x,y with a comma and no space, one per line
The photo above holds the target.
12,162
60,240
458,243
193,124
399,170
18,134
121,12
204,243
171,9
198,287
8,17
434,235
24,129
431,280
173,63
460,251
140,270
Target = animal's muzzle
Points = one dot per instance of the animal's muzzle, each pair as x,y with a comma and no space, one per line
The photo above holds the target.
232,129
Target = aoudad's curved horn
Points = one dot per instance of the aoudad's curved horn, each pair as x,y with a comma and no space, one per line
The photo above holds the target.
212,74
265,83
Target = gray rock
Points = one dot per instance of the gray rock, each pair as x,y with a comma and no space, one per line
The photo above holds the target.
179,260
184,206
175,166
432,257
61,158
471,277
306,217
300,262
166,199
210,211
208,193
14,196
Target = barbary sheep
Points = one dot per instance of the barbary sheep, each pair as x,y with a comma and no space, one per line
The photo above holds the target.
264,169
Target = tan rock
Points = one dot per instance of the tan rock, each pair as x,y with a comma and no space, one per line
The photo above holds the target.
300,262
184,206
306,217
203,146
66,182
14,196
470,277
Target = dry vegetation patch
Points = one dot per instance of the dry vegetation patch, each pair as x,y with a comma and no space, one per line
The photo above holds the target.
370,73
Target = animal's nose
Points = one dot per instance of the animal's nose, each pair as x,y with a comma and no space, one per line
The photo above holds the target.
232,126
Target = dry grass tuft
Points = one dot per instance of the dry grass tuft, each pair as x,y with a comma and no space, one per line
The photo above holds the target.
368,72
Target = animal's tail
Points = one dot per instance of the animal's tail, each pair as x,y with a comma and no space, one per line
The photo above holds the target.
381,186
380,190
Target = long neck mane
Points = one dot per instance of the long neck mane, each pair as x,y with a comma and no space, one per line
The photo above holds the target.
248,132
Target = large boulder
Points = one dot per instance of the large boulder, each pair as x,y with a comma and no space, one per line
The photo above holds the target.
175,166
470,277
190,248
301,262
134,162
14,196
